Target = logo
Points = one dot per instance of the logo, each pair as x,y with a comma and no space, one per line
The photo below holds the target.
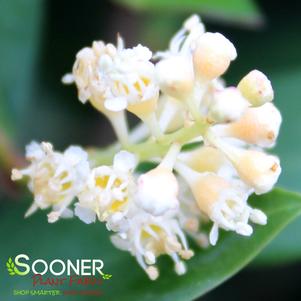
12,269
68,273
57,267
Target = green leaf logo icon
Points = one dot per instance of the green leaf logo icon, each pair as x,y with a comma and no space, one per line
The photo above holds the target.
106,276
11,268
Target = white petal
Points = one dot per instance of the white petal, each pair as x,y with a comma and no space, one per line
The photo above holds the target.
244,229
68,79
34,150
120,243
213,236
32,209
86,215
258,217
67,213
124,161
75,154
116,104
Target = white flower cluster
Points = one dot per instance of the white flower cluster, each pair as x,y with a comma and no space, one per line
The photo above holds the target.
183,101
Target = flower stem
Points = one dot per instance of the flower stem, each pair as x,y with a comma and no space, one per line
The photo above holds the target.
151,148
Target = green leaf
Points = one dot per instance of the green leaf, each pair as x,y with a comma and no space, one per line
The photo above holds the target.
234,11
72,239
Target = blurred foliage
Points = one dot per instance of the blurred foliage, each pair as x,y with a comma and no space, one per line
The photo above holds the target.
243,12
20,26
39,40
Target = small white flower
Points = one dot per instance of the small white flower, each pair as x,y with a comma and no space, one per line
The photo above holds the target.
149,237
128,78
85,71
107,191
257,88
54,178
114,77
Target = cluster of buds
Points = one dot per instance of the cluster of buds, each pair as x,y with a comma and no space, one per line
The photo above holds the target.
179,96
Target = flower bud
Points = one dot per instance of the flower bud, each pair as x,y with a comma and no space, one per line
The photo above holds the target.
256,88
257,169
157,191
213,55
258,126
204,159
227,105
175,76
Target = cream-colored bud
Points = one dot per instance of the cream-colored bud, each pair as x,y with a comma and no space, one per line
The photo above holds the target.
257,169
213,55
207,190
227,105
256,88
157,191
175,76
205,158
258,126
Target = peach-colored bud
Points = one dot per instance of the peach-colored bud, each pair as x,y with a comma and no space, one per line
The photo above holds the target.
258,126
213,55
207,191
204,159
257,169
